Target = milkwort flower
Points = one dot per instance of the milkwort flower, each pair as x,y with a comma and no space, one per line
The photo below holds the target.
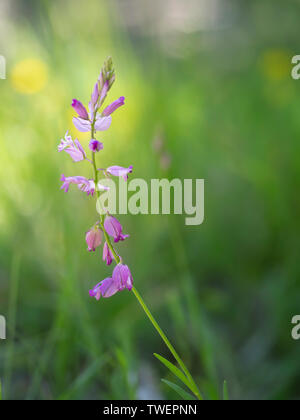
95,145
114,228
93,238
107,254
84,184
106,288
73,148
121,278
119,171
94,120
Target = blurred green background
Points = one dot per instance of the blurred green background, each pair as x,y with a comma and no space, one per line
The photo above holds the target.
210,80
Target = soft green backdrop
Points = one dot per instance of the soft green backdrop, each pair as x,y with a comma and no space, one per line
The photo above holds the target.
211,79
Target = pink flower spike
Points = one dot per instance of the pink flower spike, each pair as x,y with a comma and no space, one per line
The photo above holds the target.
120,171
93,238
82,125
102,123
114,106
114,228
80,109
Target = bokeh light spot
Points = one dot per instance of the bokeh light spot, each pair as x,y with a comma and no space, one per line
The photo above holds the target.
29,76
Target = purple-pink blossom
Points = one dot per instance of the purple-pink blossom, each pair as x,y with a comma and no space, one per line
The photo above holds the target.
95,95
73,148
122,277
120,171
104,91
80,109
106,288
95,145
83,125
93,238
120,280
114,228
84,184
113,106
107,254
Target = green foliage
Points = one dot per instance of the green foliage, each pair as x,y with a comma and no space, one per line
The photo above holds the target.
228,111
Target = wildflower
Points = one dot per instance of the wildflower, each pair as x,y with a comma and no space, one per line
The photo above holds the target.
93,238
122,277
80,109
95,95
73,148
106,288
114,228
120,171
84,184
107,254
104,91
113,106
95,145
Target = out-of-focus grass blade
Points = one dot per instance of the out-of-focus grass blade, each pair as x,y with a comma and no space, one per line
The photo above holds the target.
225,392
177,372
83,379
185,395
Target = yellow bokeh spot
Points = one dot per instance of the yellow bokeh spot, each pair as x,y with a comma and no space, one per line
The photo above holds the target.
276,64
29,76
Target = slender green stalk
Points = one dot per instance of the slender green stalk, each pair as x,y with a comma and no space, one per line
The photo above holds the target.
136,293
167,342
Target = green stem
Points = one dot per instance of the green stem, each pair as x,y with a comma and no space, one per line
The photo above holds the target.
136,293
167,342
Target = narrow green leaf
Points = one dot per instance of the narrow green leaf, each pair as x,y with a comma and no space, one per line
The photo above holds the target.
177,372
185,395
225,391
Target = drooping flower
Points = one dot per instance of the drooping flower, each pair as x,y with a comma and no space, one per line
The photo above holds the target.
122,277
114,228
106,288
107,254
73,148
80,109
120,171
95,145
84,184
93,238
113,106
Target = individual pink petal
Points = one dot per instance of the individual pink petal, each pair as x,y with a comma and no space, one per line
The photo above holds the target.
80,109
81,124
120,171
113,106
102,123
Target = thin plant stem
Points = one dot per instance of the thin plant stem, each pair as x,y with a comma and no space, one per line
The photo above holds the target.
167,342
